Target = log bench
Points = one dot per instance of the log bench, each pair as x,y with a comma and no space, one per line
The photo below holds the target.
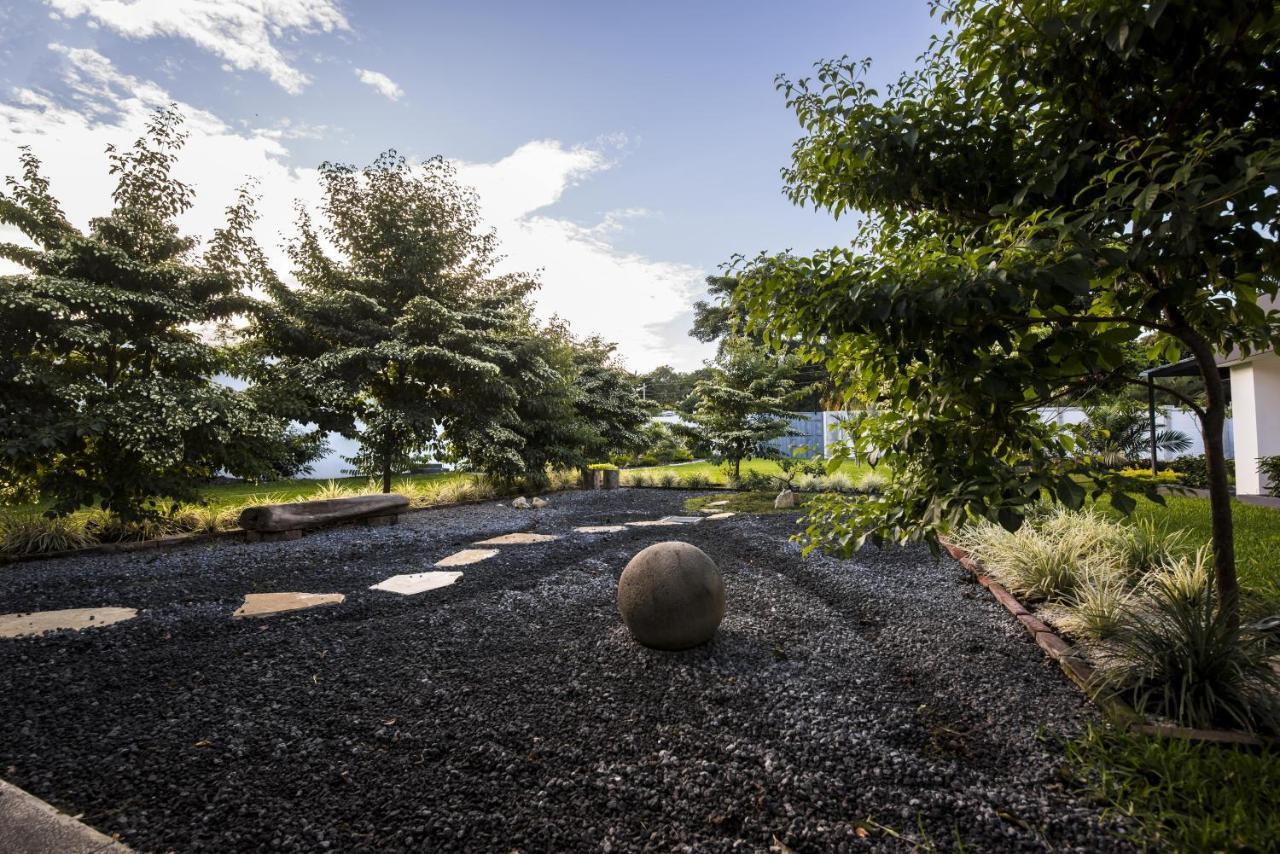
288,521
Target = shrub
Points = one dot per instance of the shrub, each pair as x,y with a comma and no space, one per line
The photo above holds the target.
28,534
1166,476
755,481
602,467
667,479
1194,470
1270,466
638,478
696,481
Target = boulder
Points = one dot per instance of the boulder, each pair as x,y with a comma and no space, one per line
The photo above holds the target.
311,514
521,503
785,501
538,503
671,596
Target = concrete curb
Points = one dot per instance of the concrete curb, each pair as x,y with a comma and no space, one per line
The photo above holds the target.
1083,674
28,825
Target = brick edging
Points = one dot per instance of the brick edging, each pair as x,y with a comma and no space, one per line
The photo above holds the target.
1083,674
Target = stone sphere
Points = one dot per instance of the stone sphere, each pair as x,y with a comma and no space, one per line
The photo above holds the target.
671,596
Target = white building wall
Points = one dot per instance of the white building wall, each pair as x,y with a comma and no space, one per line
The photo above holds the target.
1255,417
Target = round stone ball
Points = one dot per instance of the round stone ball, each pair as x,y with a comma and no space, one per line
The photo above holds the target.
671,596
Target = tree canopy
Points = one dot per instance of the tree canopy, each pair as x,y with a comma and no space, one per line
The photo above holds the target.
1055,182
403,328
107,352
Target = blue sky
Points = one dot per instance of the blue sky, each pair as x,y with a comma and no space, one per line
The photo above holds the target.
626,149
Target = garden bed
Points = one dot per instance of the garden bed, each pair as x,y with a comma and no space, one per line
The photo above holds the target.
871,702
1078,669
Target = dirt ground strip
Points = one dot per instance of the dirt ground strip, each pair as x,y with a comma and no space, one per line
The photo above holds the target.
843,702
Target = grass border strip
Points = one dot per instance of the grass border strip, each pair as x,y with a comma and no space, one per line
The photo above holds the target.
172,541
1084,674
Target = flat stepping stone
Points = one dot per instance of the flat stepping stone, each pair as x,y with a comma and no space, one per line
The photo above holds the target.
722,502
682,520
266,604
417,582
38,622
518,539
724,515
467,556
646,523
600,529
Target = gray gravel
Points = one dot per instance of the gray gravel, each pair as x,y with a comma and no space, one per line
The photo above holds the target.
881,695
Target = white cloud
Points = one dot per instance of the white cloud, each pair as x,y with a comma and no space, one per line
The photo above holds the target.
640,302
381,83
243,33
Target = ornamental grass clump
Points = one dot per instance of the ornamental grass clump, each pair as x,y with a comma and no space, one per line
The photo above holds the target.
1181,657
638,478
666,479
32,533
1096,607
696,481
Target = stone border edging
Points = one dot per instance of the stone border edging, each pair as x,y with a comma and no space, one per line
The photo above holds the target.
1084,674
28,825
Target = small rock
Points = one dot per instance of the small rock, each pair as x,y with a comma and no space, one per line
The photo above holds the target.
539,503
521,503
785,501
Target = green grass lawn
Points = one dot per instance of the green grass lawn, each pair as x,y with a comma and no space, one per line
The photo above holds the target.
1183,796
719,474
1257,537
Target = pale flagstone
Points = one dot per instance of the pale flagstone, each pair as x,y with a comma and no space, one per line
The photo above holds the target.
644,523
467,556
517,539
417,582
708,509
600,529
266,604
724,515
720,503
39,622
682,520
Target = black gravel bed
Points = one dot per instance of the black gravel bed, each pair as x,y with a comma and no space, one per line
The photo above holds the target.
883,702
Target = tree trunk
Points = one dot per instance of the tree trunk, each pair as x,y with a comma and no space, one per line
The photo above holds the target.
737,468
386,473
1212,421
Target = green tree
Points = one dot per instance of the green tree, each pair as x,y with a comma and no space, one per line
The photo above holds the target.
1055,181
107,369
573,405
405,329
746,401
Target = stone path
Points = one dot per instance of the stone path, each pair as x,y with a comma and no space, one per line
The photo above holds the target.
269,604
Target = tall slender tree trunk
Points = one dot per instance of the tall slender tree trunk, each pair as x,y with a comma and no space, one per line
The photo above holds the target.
737,468
1212,421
